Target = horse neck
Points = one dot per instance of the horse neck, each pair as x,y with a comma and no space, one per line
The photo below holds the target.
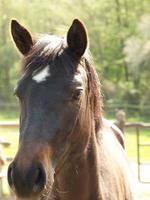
78,178
77,174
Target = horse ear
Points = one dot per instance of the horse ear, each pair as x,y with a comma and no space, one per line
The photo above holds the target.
77,38
21,37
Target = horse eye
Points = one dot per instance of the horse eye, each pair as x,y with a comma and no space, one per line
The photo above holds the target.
77,93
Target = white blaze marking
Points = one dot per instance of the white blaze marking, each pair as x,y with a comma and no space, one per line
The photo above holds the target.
42,75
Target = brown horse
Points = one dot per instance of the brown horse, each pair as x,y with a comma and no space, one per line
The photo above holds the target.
67,151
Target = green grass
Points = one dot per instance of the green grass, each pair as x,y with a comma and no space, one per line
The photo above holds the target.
12,135
131,144
9,115
13,115
130,117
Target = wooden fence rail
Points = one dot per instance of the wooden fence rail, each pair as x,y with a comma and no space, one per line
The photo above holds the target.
126,125
137,125
9,125
121,123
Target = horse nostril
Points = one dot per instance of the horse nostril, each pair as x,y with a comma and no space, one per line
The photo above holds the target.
39,179
28,181
10,175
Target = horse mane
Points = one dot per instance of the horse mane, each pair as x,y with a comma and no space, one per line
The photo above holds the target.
94,93
51,50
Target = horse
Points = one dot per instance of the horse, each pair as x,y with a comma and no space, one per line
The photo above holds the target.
67,150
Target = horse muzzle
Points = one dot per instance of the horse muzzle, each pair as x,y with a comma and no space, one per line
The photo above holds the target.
27,182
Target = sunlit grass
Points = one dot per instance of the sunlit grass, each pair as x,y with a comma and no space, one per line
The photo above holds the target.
9,115
10,135
131,144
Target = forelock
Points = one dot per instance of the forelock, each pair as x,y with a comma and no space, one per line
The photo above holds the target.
44,52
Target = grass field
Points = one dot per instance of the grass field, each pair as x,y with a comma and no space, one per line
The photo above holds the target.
131,144
9,115
12,135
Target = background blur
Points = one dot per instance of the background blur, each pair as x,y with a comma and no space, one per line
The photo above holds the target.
119,34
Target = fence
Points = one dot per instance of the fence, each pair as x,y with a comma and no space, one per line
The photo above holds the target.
139,112
109,108
122,124
6,144
137,127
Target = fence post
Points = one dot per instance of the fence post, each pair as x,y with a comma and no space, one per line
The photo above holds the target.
138,151
120,120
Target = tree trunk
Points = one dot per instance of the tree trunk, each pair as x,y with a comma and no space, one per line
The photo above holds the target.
119,22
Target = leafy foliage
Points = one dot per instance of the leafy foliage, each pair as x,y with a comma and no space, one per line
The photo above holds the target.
119,32
137,56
